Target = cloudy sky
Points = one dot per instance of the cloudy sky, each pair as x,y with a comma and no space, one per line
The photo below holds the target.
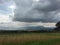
37,10
28,11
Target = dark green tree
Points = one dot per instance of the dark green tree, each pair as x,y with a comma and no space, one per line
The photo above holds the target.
57,26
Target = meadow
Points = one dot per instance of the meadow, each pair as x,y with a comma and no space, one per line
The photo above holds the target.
30,39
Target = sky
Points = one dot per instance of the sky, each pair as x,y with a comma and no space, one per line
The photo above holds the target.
37,10
29,12
6,10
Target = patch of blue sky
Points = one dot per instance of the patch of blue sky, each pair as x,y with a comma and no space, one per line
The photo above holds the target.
4,7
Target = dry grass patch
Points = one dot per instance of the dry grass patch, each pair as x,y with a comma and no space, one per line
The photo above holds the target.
25,38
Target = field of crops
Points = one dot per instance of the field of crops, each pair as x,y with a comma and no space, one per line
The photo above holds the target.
30,39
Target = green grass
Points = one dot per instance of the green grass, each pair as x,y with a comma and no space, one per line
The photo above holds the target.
30,39
45,42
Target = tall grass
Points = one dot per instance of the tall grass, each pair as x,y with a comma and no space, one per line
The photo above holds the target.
30,39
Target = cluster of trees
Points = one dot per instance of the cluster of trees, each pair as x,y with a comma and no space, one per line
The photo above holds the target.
57,26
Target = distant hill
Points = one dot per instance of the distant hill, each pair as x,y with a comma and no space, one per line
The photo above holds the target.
35,28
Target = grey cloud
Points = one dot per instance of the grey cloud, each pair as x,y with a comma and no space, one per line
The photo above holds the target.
44,11
3,1
49,5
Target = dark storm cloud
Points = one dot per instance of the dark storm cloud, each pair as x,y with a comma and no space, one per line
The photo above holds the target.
47,5
44,11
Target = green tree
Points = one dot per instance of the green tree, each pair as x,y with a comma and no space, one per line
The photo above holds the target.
57,26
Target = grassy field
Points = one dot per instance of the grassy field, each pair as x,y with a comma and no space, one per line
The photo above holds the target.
30,39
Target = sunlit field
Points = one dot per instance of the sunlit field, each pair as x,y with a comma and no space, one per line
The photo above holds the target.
30,39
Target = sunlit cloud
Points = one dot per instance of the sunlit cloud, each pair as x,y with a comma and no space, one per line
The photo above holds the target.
36,0
4,18
6,10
